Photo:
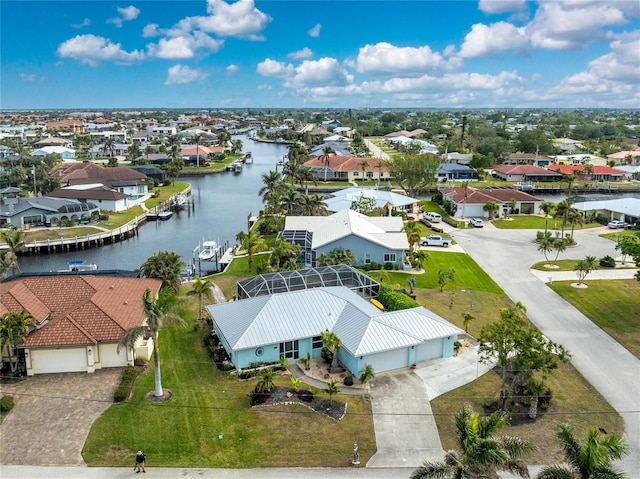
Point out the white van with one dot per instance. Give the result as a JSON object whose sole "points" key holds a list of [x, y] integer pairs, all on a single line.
{"points": [[433, 217]]}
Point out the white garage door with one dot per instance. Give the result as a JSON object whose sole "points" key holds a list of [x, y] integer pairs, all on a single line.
{"points": [[59, 360], [109, 358], [388, 360], [429, 350]]}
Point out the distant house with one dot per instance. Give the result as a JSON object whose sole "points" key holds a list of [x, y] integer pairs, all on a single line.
{"points": [[349, 168], [371, 239], [70, 124], [623, 209], [64, 152], [628, 157], [455, 172], [409, 134], [330, 124], [424, 146], [42, 210], [265, 328], [458, 158], [79, 320], [98, 194], [193, 156], [525, 173], [531, 159], [119, 178], [52, 141], [338, 149], [344, 199], [469, 202], [600, 173], [567, 145]]}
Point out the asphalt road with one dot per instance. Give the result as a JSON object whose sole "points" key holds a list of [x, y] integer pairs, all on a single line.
{"points": [[506, 256]]}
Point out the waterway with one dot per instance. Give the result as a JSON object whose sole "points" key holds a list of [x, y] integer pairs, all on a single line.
{"points": [[222, 204]]}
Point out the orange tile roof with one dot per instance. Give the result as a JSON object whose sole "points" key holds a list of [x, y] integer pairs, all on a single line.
{"points": [[484, 195], [79, 309], [348, 163]]}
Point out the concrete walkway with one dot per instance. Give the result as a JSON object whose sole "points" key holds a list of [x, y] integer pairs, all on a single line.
{"points": [[551, 275]]}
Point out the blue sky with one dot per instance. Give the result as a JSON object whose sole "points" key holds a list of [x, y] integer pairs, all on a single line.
{"points": [[320, 54]]}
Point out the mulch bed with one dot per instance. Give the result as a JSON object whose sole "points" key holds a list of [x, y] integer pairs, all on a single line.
{"points": [[281, 396]]}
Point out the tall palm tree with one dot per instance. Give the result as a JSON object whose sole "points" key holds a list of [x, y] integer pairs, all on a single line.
{"points": [[197, 139], [236, 147], [327, 151], [110, 146], [291, 200], [590, 460], [413, 233], [272, 182], [342, 255], [14, 240], [584, 267], [363, 164], [546, 207], [251, 242], [563, 210], [203, 290], [333, 343], [575, 218], [312, 205], [481, 453], [157, 316], [490, 207], [546, 247], [14, 327], [305, 175], [166, 266]]}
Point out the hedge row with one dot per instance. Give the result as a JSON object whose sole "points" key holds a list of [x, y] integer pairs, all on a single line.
{"points": [[128, 377]]}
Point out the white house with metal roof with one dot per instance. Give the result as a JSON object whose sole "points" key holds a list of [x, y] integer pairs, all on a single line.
{"points": [[343, 199], [264, 328], [626, 209], [378, 239]]}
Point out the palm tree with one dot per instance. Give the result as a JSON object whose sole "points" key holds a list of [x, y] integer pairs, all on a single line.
{"points": [[575, 218], [413, 233], [305, 175], [490, 207], [252, 243], [110, 146], [536, 388], [584, 267], [332, 342], [323, 259], [203, 290], [367, 373], [272, 182], [157, 316], [363, 164], [589, 460], [325, 157], [197, 139], [481, 454], [266, 382], [332, 389], [546, 247], [14, 240], [291, 200], [236, 147], [166, 266], [563, 209], [342, 255], [560, 245], [14, 327], [546, 207], [467, 318], [312, 205]]}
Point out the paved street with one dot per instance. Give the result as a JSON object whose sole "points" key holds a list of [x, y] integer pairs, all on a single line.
{"points": [[506, 256]]}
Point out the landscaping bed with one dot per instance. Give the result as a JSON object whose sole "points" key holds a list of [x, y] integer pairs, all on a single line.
{"points": [[281, 396]]}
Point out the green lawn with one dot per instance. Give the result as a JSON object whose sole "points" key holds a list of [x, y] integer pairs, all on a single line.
{"points": [[568, 265], [533, 222], [613, 305], [209, 422], [618, 235]]}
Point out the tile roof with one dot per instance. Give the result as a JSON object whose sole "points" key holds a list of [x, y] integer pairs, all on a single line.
{"points": [[73, 310], [524, 170], [484, 195], [597, 169], [87, 172], [348, 163]]}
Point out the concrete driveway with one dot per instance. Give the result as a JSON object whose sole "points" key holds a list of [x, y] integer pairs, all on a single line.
{"points": [[52, 416], [506, 256]]}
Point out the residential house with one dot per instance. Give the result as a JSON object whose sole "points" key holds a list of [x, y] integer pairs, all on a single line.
{"points": [[68, 125], [409, 134], [455, 172], [599, 173], [423, 146], [567, 145], [525, 173], [468, 201], [120, 178], [42, 210], [265, 328], [52, 141], [64, 152], [79, 320], [628, 157], [331, 124], [371, 239], [337, 148], [349, 168], [194, 156], [581, 159], [104, 197], [625, 209], [458, 158], [531, 159], [386, 200]]}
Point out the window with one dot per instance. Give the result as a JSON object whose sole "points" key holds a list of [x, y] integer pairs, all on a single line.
{"points": [[289, 349], [389, 257], [367, 258], [355, 173], [316, 342]]}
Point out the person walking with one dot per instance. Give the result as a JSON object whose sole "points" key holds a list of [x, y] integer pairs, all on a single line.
{"points": [[141, 457]]}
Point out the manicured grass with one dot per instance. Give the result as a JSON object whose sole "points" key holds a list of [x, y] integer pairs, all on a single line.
{"points": [[574, 401], [610, 304], [209, 422], [619, 234], [568, 265], [519, 222]]}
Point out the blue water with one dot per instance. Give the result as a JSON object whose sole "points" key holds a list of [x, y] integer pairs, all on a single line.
{"points": [[221, 206]]}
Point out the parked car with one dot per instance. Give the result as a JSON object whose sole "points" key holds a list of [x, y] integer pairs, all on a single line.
{"points": [[476, 222], [616, 224], [433, 217], [435, 240]]}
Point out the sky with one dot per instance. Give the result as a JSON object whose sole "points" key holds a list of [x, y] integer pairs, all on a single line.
{"points": [[217, 54]]}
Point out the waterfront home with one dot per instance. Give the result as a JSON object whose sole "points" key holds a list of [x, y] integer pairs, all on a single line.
{"points": [[598, 172], [525, 173], [120, 178], [264, 328], [378, 239], [104, 197], [625, 209], [79, 320], [42, 210], [455, 172], [64, 152], [385, 200], [468, 202], [530, 159], [349, 168]]}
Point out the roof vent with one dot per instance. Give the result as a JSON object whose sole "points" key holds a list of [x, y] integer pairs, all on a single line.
{"points": [[126, 302]]}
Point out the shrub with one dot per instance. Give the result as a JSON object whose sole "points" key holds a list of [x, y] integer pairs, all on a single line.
{"points": [[450, 221], [327, 355], [388, 266], [393, 301], [6, 403], [607, 262], [128, 377], [348, 380]]}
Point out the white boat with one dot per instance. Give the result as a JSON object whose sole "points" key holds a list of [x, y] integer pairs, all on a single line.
{"points": [[179, 200], [80, 265], [208, 251], [165, 215]]}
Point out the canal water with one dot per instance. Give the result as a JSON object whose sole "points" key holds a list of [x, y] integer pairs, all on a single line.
{"points": [[222, 204]]}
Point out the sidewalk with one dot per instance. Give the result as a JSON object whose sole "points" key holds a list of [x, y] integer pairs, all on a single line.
{"points": [[550, 275]]}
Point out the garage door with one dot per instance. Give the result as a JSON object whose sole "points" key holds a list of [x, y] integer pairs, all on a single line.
{"points": [[429, 350], [388, 360], [59, 360], [109, 357]]}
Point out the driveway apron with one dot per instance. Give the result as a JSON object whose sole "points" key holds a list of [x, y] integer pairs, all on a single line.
{"points": [[506, 256], [52, 416], [406, 432]]}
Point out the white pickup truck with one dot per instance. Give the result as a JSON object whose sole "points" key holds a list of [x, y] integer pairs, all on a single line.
{"points": [[435, 240]]}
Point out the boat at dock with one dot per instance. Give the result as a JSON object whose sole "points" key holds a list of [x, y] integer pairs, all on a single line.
{"points": [[180, 200], [79, 265], [165, 215], [208, 251]]}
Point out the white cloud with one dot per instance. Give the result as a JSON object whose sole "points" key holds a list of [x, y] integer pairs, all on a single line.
{"points": [[183, 46], [384, 58], [92, 49], [264, 86], [315, 31], [273, 68], [502, 6], [84, 23], [300, 54], [29, 77], [493, 39], [182, 74], [325, 71], [232, 69], [151, 30], [126, 14], [240, 19]]}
